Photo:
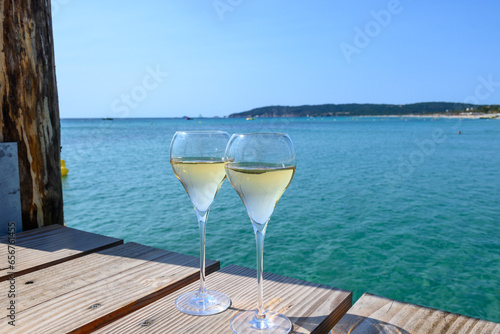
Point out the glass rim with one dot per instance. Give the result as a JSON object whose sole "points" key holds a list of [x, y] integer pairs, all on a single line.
{"points": [[201, 131], [261, 133]]}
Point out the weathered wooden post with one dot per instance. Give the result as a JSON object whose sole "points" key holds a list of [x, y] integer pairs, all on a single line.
{"points": [[29, 107]]}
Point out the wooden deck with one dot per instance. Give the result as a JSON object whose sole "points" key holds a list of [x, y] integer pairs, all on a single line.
{"points": [[70, 281], [374, 314]]}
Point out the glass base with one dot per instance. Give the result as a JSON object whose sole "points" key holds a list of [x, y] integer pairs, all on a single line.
{"points": [[194, 303], [273, 322]]}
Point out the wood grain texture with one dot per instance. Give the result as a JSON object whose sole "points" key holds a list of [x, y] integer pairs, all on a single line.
{"points": [[374, 314], [78, 295], [47, 246], [312, 308], [29, 108]]}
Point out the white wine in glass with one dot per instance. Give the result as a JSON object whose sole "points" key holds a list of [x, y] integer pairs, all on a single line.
{"points": [[197, 161], [260, 166]]}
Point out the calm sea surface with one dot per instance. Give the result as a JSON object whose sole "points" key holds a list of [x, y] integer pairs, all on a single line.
{"points": [[404, 208]]}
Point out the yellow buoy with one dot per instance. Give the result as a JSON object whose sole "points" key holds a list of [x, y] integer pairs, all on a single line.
{"points": [[64, 170]]}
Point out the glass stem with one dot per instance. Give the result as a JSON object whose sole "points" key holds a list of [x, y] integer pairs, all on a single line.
{"points": [[259, 238], [202, 221]]}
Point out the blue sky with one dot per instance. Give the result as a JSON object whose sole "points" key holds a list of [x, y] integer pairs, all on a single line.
{"points": [[216, 57]]}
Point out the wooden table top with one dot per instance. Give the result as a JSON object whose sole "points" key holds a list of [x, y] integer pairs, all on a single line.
{"points": [[312, 308], [70, 281]]}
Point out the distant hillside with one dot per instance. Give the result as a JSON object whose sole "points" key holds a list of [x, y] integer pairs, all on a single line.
{"points": [[354, 109]]}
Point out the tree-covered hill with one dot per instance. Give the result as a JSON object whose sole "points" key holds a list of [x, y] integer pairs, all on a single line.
{"points": [[355, 109]]}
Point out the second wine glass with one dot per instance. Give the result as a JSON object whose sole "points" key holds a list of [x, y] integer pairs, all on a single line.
{"points": [[260, 166], [197, 160]]}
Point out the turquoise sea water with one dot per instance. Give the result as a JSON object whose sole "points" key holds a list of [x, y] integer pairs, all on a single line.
{"points": [[404, 208]]}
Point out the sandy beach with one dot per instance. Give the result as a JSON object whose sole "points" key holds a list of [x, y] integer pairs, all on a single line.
{"points": [[460, 116]]}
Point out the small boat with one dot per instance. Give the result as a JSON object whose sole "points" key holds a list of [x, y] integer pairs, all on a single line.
{"points": [[107, 119], [250, 118], [64, 170], [189, 119]]}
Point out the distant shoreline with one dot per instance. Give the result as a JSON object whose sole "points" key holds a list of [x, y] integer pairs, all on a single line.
{"points": [[468, 116]]}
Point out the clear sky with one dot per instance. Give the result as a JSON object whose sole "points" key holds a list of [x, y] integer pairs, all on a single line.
{"points": [[170, 58]]}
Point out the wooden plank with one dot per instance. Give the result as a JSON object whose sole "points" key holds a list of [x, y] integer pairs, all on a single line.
{"points": [[30, 233], [375, 314], [312, 308], [78, 295], [47, 246], [38, 287]]}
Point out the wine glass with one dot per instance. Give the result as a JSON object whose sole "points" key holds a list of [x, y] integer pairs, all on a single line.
{"points": [[197, 160], [260, 166]]}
